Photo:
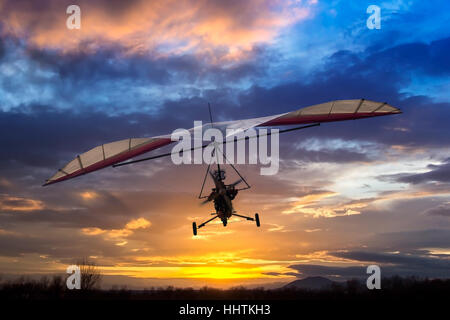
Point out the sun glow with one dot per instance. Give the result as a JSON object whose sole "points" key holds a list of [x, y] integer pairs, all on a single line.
{"points": [[195, 272]]}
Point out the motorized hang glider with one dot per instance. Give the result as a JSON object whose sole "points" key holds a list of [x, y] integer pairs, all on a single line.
{"points": [[115, 153]]}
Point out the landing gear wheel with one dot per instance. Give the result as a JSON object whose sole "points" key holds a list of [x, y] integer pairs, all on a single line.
{"points": [[194, 228], [258, 224], [224, 223]]}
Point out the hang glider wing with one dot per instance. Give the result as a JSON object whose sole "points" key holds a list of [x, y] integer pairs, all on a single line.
{"points": [[337, 110], [119, 151], [334, 111], [107, 155]]}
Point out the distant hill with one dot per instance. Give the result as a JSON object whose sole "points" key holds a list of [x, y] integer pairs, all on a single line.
{"points": [[310, 283]]}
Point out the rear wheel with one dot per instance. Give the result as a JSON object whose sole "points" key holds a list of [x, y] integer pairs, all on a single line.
{"points": [[194, 228], [258, 224]]}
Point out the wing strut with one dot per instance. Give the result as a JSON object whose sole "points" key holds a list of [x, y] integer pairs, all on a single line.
{"points": [[200, 196], [234, 168]]}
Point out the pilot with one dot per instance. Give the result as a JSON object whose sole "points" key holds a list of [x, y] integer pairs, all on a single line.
{"points": [[220, 175]]}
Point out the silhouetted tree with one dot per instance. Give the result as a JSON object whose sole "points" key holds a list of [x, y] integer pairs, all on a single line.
{"points": [[90, 274]]}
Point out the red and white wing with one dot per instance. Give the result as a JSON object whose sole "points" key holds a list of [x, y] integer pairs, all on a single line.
{"points": [[107, 155], [334, 111], [115, 152]]}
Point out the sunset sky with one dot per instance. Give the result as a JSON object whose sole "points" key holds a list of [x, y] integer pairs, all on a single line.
{"points": [[347, 195]]}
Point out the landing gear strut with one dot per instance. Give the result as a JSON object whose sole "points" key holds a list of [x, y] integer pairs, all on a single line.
{"points": [[195, 227], [256, 218], [225, 221]]}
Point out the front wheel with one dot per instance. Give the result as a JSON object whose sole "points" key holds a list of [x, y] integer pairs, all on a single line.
{"points": [[258, 224], [194, 228]]}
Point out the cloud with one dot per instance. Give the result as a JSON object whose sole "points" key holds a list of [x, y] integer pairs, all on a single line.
{"points": [[313, 230], [219, 31], [436, 173], [2, 49], [332, 272], [441, 210], [92, 231], [140, 223], [14, 204], [313, 205], [44, 135], [414, 239], [108, 79], [391, 264], [67, 209]]}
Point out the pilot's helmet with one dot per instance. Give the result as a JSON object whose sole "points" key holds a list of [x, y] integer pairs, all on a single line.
{"points": [[220, 174]]}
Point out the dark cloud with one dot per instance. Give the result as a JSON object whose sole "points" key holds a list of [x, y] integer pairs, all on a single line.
{"points": [[66, 247], [442, 210], [106, 211], [75, 218], [107, 63], [311, 270], [40, 137], [66, 208], [390, 264], [437, 173], [420, 58], [2, 49], [414, 239], [398, 65], [392, 258]]}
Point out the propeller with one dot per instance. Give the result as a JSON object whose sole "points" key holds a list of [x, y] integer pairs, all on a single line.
{"points": [[205, 201]]}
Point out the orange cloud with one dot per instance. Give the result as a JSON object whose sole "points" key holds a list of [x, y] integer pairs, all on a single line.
{"points": [[88, 195], [140, 223], [119, 234], [322, 257], [218, 30], [4, 232], [8, 203], [302, 202], [92, 231], [310, 205]]}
